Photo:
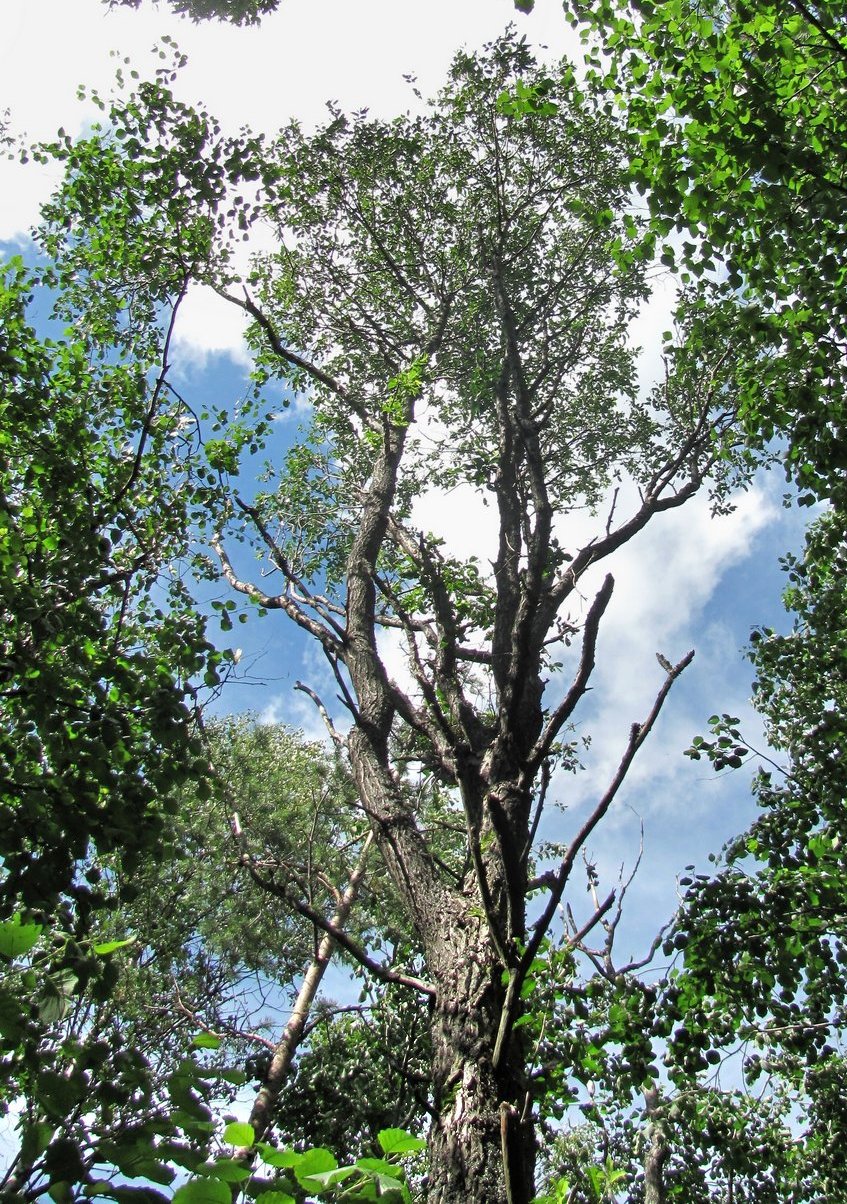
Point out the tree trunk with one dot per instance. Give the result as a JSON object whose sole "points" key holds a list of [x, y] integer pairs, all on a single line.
{"points": [[482, 1146], [657, 1151]]}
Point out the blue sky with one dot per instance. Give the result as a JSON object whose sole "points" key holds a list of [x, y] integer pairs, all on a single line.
{"points": [[687, 582]]}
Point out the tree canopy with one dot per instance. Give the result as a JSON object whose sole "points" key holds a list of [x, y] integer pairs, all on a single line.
{"points": [[449, 300]]}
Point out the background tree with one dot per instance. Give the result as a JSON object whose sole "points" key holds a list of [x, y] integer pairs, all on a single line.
{"points": [[197, 963], [364, 1069]]}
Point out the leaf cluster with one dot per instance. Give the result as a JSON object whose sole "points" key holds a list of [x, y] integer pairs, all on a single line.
{"points": [[737, 117]]}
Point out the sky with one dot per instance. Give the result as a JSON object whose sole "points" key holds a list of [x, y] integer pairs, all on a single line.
{"points": [[689, 581]]}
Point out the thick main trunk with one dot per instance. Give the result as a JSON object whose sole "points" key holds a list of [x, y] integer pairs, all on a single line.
{"points": [[482, 1145]]}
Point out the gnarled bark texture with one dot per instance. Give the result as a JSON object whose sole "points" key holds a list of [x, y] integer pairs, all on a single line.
{"points": [[657, 1152], [483, 1137]]}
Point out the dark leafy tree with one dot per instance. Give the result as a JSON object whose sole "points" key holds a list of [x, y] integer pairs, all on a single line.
{"points": [[100, 653], [364, 1069], [95, 674]]}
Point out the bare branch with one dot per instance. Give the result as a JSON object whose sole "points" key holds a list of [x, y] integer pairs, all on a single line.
{"points": [[580, 683], [285, 353], [336, 738], [275, 602], [578, 937], [539, 808], [316, 602], [383, 973], [153, 408], [284, 1050]]}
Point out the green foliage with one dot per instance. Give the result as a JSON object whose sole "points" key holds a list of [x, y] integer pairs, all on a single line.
{"points": [[739, 125], [151, 200], [115, 1070], [317, 1172], [493, 353], [238, 12], [100, 653], [286, 1176], [718, 1143], [94, 669], [784, 959]]}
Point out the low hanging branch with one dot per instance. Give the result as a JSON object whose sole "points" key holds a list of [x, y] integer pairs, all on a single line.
{"points": [[339, 936]]}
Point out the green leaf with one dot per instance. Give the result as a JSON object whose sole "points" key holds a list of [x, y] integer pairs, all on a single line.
{"points": [[231, 1075], [378, 1166], [330, 1178], [53, 1000], [111, 946], [203, 1191], [17, 938], [280, 1159], [206, 1041], [226, 1169], [398, 1141], [314, 1162], [158, 1172], [239, 1133]]}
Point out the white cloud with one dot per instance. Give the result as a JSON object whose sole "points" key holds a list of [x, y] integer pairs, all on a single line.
{"points": [[671, 595], [666, 578], [207, 324], [646, 329], [461, 518]]}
